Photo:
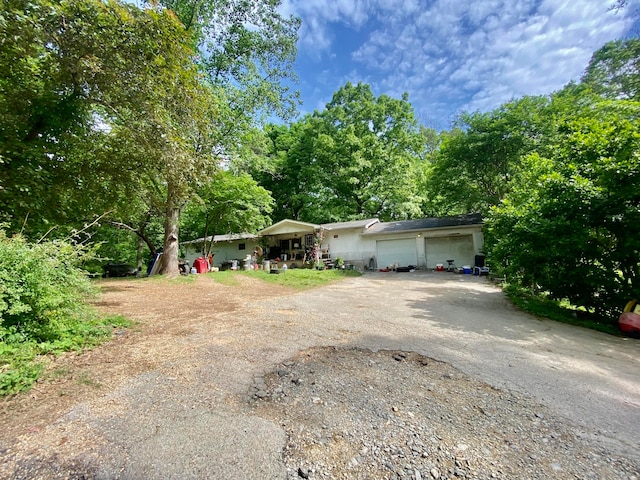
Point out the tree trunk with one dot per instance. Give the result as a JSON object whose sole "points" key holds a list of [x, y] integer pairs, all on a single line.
{"points": [[169, 259], [139, 255]]}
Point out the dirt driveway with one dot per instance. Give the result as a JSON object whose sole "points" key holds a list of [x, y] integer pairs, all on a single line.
{"points": [[427, 374]]}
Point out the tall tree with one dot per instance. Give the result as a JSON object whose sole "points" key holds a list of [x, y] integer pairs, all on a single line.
{"points": [[366, 154], [227, 203], [101, 101], [614, 70], [91, 93], [478, 160], [246, 48], [293, 178], [571, 224]]}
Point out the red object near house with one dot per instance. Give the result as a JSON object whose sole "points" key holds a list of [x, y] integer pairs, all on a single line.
{"points": [[201, 265], [629, 323]]}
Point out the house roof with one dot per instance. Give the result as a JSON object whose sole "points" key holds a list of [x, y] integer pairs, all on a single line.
{"points": [[371, 226], [229, 237], [426, 224], [367, 223], [289, 226]]}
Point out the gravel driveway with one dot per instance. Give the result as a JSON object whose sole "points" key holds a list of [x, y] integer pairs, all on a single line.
{"points": [[428, 375]]}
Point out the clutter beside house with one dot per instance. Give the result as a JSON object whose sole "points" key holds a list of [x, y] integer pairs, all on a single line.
{"points": [[369, 244]]}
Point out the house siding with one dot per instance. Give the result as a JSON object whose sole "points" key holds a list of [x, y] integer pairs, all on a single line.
{"points": [[222, 251]]}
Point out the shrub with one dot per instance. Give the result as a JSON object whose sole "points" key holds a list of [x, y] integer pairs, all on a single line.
{"points": [[42, 307], [40, 284]]}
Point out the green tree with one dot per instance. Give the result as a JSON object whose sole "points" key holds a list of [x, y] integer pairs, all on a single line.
{"points": [[571, 225], [248, 50], [478, 159], [116, 114], [103, 109], [614, 70], [227, 203], [366, 154], [293, 177]]}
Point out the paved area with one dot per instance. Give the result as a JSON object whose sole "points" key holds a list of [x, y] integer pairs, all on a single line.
{"points": [[188, 419], [591, 378]]}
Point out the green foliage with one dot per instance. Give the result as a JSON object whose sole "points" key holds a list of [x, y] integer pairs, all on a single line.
{"points": [[367, 150], [293, 176], [560, 311], [614, 70], [247, 49], [358, 158], [69, 73], [42, 307], [479, 159], [227, 203], [571, 227], [40, 284]]}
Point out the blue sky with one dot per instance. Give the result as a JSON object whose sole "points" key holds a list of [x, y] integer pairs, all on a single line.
{"points": [[450, 55]]}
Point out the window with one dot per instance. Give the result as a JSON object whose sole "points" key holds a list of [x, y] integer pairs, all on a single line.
{"points": [[308, 240], [242, 246]]}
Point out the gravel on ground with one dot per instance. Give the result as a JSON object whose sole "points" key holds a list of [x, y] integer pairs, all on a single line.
{"points": [[394, 376]]}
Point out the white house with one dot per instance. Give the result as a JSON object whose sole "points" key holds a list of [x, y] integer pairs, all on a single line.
{"points": [[345, 240], [226, 248], [367, 244]]}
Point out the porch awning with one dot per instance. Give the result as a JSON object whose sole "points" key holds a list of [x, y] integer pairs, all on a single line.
{"points": [[285, 227]]}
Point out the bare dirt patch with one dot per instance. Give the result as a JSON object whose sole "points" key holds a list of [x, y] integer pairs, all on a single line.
{"points": [[162, 311]]}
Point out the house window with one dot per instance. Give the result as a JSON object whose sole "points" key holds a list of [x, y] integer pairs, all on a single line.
{"points": [[284, 245], [335, 236], [308, 240], [242, 246]]}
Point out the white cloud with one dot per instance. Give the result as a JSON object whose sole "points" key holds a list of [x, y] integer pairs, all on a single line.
{"points": [[452, 55]]}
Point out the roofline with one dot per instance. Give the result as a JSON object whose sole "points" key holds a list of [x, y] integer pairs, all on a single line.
{"points": [[240, 236], [372, 221], [287, 220], [423, 229]]}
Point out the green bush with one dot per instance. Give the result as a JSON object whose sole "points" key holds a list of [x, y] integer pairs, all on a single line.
{"points": [[42, 307], [40, 285]]}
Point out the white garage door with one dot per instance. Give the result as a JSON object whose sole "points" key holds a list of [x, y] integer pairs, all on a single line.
{"points": [[458, 248], [403, 252]]}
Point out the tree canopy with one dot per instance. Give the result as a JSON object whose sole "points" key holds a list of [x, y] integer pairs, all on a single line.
{"points": [[358, 158], [614, 70], [571, 226], [106, 107]]}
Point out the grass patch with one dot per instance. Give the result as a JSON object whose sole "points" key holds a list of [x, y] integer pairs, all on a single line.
{"points": [[21, 355], [560, 311], [226, 277], [299, 278]]}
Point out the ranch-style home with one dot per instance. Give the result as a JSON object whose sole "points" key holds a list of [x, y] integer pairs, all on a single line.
{"points": [[365, 244]]}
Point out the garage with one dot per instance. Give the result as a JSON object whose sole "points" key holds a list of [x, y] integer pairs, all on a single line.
{"points": [[402, 252], [457, 248]]}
